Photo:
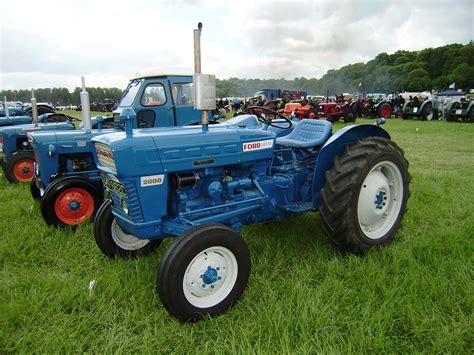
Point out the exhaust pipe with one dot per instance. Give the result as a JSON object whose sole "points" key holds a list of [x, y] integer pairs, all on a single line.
{"points": [[86, 107], [204, 84], [34, 108], [7, 111]]}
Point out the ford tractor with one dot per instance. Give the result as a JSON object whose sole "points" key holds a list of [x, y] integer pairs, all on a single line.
{"points": [[67, 180], [202, 184], [334, 111], [21, 114], [17, 154]]}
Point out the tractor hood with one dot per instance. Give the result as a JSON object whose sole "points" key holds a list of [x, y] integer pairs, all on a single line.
{"points": [[27, 128], [153, 151], [14, 120], [65, 137]]}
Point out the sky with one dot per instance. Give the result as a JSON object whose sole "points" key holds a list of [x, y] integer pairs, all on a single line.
{"points": [[52, 43]]}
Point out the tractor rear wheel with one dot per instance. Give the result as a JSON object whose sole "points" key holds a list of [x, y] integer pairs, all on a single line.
{"points": [[311, 114], [70, 200], [471, 115], [332, 119], [204, 272], [427, 113], [365, 196], [113, 241], [20, 167], [34, 189], [385, 110]]}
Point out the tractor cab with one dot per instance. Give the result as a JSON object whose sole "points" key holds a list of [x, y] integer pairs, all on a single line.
{"points": [[160, 100]]}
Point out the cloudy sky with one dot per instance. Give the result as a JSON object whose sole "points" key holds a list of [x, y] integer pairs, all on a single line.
{"points": [[51, 43]]}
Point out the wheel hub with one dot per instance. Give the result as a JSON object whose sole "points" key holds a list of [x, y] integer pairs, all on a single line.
{"points": [[380, 199], [210, 277], [74, 205], [124, 240]]}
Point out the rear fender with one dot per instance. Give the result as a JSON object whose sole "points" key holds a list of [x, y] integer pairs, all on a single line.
{"points": [[335, 146]]}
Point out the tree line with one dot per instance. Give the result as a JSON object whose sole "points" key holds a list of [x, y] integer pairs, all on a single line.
{"points": [[428, 69], [62, 96]]}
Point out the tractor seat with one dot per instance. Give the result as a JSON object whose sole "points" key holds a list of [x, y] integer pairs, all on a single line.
{"points": [[307, 133]]}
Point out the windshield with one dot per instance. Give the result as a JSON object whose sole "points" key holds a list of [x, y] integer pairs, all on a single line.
{"points": [[130, 93]]}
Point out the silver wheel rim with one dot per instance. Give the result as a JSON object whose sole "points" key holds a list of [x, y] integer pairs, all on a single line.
{"points": [[210, 277], [124, 240], [380, 199], [430, 116]]}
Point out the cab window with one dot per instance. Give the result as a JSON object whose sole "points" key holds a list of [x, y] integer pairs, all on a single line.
{"points": [[182, 94], [154, 95]]}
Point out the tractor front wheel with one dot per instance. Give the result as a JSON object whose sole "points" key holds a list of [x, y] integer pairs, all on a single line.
{"points": [[70, 201], [20, 167], [113, 241], [204, 272], [34, 189], [365, 196]]}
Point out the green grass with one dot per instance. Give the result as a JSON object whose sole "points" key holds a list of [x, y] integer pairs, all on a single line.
{"points": [[415, 295]]}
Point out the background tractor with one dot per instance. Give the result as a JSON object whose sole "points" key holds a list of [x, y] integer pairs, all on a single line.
{"points": [[334, 111], [67, 180], [202, 184], [460, 111], [418, 109]]}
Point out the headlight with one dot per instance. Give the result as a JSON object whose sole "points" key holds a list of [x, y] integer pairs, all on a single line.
{"points": [[124, 205], [105, 156]]}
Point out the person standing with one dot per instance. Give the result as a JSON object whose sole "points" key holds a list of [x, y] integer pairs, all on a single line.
{"points": [[435, 104]]}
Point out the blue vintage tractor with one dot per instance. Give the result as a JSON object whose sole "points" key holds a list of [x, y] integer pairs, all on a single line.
{"points": [[67, 180], [21, 114], [18, 156], [203, 184]]}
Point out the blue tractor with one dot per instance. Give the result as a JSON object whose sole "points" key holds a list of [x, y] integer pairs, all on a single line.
{"points": [[10, 116], [203, 184], [67, 180]]}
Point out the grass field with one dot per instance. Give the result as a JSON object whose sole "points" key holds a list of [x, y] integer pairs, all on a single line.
{"points": [[415, 295]]}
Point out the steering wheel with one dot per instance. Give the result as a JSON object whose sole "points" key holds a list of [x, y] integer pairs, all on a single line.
{"points": [[266, 116]]}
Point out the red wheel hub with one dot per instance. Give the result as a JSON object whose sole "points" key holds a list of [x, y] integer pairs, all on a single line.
{"points": [[24, 170], [386, 112], [74, 206], [312, 115]]}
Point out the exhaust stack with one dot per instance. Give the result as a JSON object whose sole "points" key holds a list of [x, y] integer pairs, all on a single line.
{"points": [[86, 107], [34, 108], [204, 84], [7, 111]]}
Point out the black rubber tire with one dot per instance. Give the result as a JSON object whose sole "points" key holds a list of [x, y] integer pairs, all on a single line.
{"points": [[471, 115], [427, 110], [339, 197], [11, 161], [177, 259], [349, 117], [311, 112], [103, 236], [332, 119], [53, 190], [34, 189]]}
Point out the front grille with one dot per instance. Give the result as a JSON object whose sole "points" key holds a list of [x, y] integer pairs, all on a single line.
{"points": [[123, 191], [114, 186], [105, 156]]}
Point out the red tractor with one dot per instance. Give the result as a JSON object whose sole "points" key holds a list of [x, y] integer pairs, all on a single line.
{"points": [[334, 111], [301, 111]]}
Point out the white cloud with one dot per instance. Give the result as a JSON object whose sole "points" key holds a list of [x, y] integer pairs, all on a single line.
{"points": [[52, 43]]}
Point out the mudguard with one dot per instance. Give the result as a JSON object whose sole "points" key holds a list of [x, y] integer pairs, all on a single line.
{"points": [[336, 146]]}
